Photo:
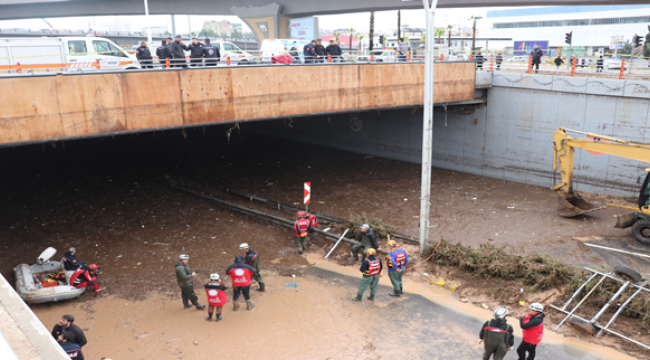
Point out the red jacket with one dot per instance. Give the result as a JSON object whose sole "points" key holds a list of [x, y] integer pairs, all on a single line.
{"points": [[240, 276], [313, 220], [81, 276], [301, 227], [532, 327], [216, 294]]}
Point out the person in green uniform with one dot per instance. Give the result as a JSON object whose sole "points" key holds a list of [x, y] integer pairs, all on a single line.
{"points": [[184, 278], [396, 261], [252, 258], [498, 336], [367, 240], [371, 270]]}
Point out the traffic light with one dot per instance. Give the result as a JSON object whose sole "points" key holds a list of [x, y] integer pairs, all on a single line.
{"points": [[381, 40], [637, 40], [567, 38]]}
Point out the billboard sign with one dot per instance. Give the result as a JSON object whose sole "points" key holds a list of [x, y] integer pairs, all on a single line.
{"points": [[303, 29], [525, 47]]}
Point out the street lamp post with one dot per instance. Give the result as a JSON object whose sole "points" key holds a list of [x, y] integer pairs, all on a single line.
{"points": [[427, 125], [146, 12]]}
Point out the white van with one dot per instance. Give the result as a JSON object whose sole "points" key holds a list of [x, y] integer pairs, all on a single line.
{"points": [[275, 47], [68, 54], [237, 56]]}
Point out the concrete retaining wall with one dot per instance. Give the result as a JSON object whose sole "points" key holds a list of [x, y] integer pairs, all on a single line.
{"points": [[510, 138]]}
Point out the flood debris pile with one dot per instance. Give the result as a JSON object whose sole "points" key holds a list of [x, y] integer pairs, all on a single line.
{"points": [[382, 229], [488, 261]]}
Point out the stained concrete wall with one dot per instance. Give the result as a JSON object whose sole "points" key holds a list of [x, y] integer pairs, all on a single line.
{"points": [[510, 138]]}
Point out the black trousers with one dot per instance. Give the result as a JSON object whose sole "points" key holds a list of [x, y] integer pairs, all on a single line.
{"points": [[523, 347], [146, 63], [211, 62], [196, 61], [241, 289]]}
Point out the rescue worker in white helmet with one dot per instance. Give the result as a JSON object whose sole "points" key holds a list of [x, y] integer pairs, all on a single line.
{"points": [[367, 240], [532, 326], [252, 258], [217, 298], [185, 278], [498, 336]]}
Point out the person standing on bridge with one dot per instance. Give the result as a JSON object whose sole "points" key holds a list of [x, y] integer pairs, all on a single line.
{"points": [[161, 53], [143, 55], [301, 230], [178, 54], [402, 49], [334, 50], [196, 53], [499, 60], [498, 336], [367, 240], [185, 280], [240, 277], [371, 270], [253, 259], [599, 64], [211, 53], [320, 51], [309, 51], [558, 62], [532, 325], [396, 261], [537, 54]]}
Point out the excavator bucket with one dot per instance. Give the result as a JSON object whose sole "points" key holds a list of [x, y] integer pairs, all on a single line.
{"points": [[626, 221], [573, 205]]}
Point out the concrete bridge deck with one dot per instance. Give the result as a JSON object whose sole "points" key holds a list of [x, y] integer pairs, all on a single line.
{"points": [[40, 108]]}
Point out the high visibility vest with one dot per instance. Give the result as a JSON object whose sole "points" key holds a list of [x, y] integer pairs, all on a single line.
{"points": [[400, 259], [374, 267], [301, 227], [216, 297], [533, 335]]}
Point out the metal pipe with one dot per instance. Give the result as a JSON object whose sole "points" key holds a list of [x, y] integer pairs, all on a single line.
{"points": [[616, 279], [337, 243], [581, 301], [577, 292], [608, 330], [427, 125], [617, 250], [620, 309], [612, 299]]}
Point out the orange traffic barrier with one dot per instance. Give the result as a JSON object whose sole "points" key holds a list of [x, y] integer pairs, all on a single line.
{"points": [[573, 66], [471, 56], [329, 58], [622, 69], [409, 56], [97, 64], [19, 69], [530, 65], [491, 63], [372, 57], [168, 63], [228, 61], [442, 57]]}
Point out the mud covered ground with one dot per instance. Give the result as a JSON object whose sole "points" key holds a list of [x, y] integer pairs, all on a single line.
{"points": [[99, 196]]}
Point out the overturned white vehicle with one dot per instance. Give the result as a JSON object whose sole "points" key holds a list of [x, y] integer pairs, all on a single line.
{"points": [[35, 285]]}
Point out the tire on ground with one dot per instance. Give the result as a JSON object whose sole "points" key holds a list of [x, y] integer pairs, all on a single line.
{"points": [[628, 272], [637, 231]]}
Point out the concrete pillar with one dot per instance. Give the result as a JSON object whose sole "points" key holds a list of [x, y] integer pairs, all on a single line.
{"points": [[266, 21]]}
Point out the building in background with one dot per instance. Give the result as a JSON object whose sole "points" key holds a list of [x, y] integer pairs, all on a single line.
{"points": [[593, 27]]}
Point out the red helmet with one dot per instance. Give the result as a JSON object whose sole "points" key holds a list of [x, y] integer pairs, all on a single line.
{"points": [[94, 268], [301, 214]]}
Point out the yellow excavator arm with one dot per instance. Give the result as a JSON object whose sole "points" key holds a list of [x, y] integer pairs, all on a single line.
{"points": [[570, 203]]}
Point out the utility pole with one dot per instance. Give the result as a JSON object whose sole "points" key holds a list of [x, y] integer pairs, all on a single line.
{"points": [[146, 13], [173, 26], [427, 125]]}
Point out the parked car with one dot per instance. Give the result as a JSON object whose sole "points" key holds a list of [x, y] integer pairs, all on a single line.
{"points": [[378, 56], [237, 56], [615, 63], [34, 286]]}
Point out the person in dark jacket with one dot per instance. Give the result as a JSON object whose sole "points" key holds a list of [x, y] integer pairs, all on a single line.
{"points": [[320, 51], [371, 270], [196, 52], [70, 260], [294, 54], [143, 54], [161, 53], [498, 336], [558, 62], [253, 259], [309, 52], [499, 60], [367, 240], [240, 277], [599, 64], [66, 325], [211, 53], [177, 51], [67, 342], [537, 54], [334, 50], [479, 61], [532, 326], [184, 278]]}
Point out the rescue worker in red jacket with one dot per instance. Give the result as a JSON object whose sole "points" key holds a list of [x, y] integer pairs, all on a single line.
{"points": [[217, 298], [86, 275], [240, 277], [313, 222], [532, 325], [371, 270], [301, 231]]}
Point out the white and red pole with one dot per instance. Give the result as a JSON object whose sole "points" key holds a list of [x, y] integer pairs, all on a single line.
{"points": [[307, 195]]}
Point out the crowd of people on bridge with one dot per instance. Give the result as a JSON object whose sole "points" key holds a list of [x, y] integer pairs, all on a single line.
{"points": [[173, 50]]}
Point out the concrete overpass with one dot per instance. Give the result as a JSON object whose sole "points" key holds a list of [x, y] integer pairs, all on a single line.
{"points": [[44, 108], [266, 19]]}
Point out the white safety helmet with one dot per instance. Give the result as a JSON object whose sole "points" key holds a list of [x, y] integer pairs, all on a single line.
{"points": [[184, 257], [501, 313], [72, 250], [214, 277], [536, 307], [365, 226], [243, 246]]}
